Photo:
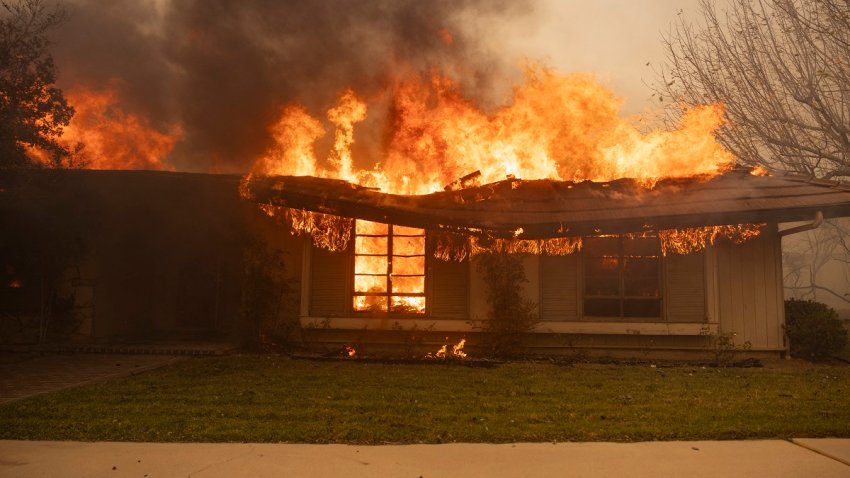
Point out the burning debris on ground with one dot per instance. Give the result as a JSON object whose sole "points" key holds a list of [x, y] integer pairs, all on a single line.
{"points": [[456, 352]]}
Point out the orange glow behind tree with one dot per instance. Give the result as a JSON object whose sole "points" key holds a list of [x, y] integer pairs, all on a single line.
{"points": [[103, 135]]}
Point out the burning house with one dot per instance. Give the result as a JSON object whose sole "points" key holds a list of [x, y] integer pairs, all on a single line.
{"points": [[611, 265], [631, 242]]}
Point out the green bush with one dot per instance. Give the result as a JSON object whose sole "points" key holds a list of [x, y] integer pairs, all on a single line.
{"points": [[511, 314], [813, 329]]}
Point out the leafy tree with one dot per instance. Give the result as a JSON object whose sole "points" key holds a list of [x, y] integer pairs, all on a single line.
{"points": [[33, 112], [782, 69]]}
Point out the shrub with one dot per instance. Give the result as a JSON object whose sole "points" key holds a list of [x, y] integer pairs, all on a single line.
{"points": [[511, 314], [268, 298], [813, 329]]}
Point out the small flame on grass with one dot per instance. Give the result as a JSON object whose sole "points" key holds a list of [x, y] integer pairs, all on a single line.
{"points": [[456, 352]]}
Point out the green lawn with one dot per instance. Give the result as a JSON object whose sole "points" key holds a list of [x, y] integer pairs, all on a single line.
{"points": [[276, 399]]}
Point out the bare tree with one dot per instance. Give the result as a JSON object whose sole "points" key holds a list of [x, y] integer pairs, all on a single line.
{"points": [[817, 264], [781, 68], [33, 111]]}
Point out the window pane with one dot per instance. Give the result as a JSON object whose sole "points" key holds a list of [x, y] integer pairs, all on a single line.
{"points": [[641, 276], [637, 286], [642, 308], [373, 242], [601, 285], [370, 283], [602, 266], [602, 276], [408, 231], [367, 227], [370, 245], [408, 245], [370, 264], [601, 246], [370, 303], [408, 304], [602, 307], [641, 246], [642, 266], [409, 265], [414, 284]]}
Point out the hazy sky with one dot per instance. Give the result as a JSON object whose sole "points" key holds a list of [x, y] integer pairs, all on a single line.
{"points": [[613, 39]]}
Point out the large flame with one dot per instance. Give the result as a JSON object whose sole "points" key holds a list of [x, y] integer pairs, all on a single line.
{"points": [[103, 135], [389, 268], [563, 127]]}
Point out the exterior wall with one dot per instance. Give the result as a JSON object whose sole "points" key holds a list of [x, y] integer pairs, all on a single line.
{"points": [[749, 299], [448, 289], [727, 288], [163, 253], [684, 297], [326, 296], [479, 309], [560, 288]]}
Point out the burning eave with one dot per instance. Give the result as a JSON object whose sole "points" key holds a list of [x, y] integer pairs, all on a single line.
{"points": [[543, 209]]}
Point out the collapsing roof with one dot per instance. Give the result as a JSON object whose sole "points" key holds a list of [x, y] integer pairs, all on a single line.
{"points": [[541, 209]]}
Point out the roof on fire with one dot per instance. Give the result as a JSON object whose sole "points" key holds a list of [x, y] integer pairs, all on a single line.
{"points": [[547, 208]]}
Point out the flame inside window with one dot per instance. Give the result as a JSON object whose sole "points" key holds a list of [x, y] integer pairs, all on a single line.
{"points": [[389, 268]]}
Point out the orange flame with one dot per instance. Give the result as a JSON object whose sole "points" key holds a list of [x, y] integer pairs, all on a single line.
{"points": [[759, 171], [456, 352], [563, 127], [687, 241], [389, 268], [105, 136]]}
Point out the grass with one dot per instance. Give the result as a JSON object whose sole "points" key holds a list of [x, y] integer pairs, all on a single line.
{"points": [[276, 399]]}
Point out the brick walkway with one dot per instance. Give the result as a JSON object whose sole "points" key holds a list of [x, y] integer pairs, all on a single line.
{"points": [[26, 374]]}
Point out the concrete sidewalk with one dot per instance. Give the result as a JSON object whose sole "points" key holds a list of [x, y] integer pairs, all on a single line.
{"points": [[823, 458]]}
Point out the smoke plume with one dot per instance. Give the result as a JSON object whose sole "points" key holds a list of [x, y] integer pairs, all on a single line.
{"points": [[221, 70]]}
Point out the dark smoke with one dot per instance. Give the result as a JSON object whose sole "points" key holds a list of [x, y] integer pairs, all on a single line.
{"points": [[224, 68]]}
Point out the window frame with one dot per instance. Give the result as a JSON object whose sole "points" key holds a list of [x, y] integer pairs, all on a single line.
{"points": [[621, 297], [388, 293]]}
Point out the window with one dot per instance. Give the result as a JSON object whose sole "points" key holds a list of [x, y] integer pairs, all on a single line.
{"points": [[622, 277], [389, 268]]}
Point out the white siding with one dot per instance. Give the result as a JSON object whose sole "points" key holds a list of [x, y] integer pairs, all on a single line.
{"points": [[448, 282], [684, 294], [478, 306], [749, 291], [329, 277], [559, 288]]}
